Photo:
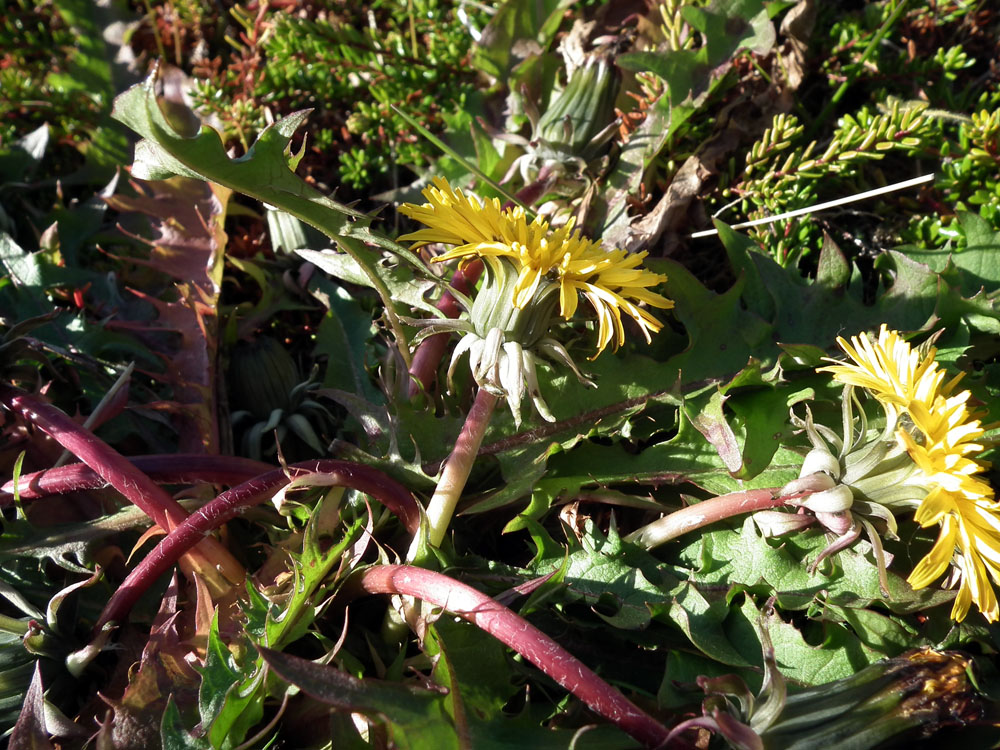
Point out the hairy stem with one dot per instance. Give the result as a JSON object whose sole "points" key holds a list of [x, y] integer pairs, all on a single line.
{"points": [[517, 633], [709, 511], [211, 560], [179, 468], [253, 492], [456, 470]]}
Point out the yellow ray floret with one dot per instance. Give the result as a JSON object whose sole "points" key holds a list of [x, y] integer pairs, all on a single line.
{"points": [[889, 369], [968, 541], [612, 281]]}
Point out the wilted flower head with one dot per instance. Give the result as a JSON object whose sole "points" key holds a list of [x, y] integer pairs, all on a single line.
{"points": [[531, 269], [940, 437]]}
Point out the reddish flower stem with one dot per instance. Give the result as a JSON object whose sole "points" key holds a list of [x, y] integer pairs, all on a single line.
{"points": [[456, 470], [193, 468], [211, 559], [237, 499], [707, 512], [430, 352], [520, 635]]}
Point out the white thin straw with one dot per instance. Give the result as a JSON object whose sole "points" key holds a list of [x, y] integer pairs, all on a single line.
{"points": [[822, 206]]}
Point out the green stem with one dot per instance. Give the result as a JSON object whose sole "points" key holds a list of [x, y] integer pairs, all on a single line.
{"points": [[456, 471], [706, 512]]}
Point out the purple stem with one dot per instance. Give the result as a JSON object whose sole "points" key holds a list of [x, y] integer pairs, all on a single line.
{"points": [[181, 468], [233, 501], [105, 461], [708, 512], [117, 471], [520, 635]]}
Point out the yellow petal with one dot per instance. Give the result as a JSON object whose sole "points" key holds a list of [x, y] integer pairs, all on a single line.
{"points": [[937, 560]]}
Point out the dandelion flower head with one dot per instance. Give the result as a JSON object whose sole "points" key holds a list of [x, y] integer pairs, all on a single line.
{"points": [[612, 281], [943, 442]]}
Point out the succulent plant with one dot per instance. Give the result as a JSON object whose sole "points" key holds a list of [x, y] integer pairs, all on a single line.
{"points": [[270, 397]]}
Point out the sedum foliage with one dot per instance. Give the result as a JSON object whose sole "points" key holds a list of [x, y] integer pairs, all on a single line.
{"points": [[351, 65]]}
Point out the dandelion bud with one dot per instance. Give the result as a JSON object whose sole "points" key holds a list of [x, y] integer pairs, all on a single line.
{"points": [[816, 482], [835, 500], [775, 523], [925, 689], [820, 459], [582, 111]]}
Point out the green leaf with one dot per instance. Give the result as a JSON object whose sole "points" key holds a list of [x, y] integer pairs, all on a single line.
{"points": [[516, 24], [702, 619], [399, 279], [732, 25], [722, 335], [174, 735], [687, 457], [415, 717], [839, 654], [474, 668], [677, 68], [833, 270], [728, 556], [762, 420], [344, 338], [263, 172], [229, 697], [706, 416], [627, 386], [741, 249], [978, 262], [803, 313], [623, 581], [887, 634]]}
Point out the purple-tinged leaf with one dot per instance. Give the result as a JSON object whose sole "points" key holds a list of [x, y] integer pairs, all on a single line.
{"points": [[29, 731]]}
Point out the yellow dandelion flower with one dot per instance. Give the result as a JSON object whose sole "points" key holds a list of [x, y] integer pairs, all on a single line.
{"points": [[611, 281], [947, 424], [961, 502], [888, 368], [950, 472], [942, 438], [963, 505]]}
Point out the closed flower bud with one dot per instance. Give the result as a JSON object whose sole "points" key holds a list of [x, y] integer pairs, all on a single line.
{"points": [[775, 523], [835, 500]]}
